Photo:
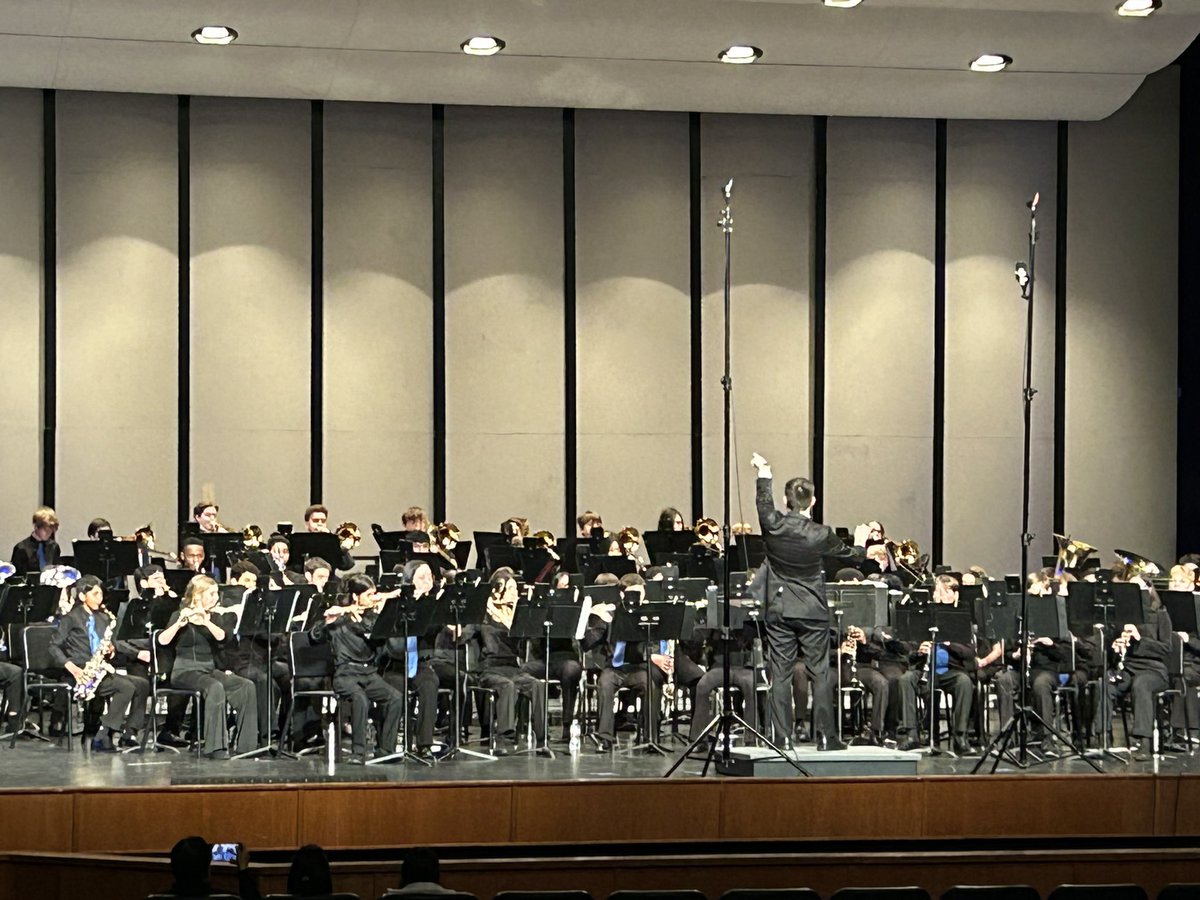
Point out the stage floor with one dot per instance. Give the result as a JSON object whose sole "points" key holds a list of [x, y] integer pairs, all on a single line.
{"points": [[41, 766]]}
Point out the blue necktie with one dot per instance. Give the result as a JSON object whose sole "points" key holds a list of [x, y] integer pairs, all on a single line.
{"points": [[941, 661], [41, 554], [619, 655], [93, 638], [662, 647], [412, 657]]}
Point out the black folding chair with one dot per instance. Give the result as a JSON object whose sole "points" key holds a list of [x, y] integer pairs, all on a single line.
{"points": [[42, 676], [309, 660]]}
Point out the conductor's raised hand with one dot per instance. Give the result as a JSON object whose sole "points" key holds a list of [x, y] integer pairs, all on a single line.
{"points": [[758, 462]]}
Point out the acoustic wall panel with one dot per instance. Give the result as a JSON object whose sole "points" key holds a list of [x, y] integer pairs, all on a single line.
{"points": [[504, 317], [879, 319], [771, 162], [117, 312], [1122, 319], [992, 171], [378, 371], [634, 314], [21, 301], [251, 322]]}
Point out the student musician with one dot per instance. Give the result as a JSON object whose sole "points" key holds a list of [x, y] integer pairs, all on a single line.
{"points": [[83, 644], [413, 662], [624, 666], [671, 519], [280, 551], [355, 676], [191, 555], [499, 666], [564, 664], [204, 514], [197, 631], [39, 550], [316, 521]]}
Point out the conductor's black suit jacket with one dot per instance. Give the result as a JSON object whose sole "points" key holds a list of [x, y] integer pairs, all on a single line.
{"points": [[796, 546]]}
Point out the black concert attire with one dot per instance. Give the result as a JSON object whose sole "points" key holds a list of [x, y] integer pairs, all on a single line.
{"points": [[874, 683], [248, 657], [196, 669], [1002, 679], [624, 667], [1144, 674], [500, 671], [742, 675], [31, 556], [77, 637], [564, 666], [952, 662], [415, 665], [892, 660], [1046, 664], [797, 616], [356, 678], [1191, 679]]}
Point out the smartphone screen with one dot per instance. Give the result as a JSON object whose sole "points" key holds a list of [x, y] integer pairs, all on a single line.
{"points": [[225, 853]]}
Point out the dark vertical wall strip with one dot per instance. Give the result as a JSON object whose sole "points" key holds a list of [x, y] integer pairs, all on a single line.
{"points": [[697, 288], [1187, 526], [439, 313], [317, 370], [1060, 333], [184, 239], [49, 295], [939, 343], [820, 199], [570, 395]]}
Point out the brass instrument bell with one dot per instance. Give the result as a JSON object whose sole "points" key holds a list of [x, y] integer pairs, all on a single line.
{"points": [[1138, 564], [348, 531], [252, 537], [1071, 553]]}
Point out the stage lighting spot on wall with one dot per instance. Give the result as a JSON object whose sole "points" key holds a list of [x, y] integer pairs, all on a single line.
{"points": [[991, 62], [482, 45], [739, 54], [1138, 8], [842, 4], [214, 34]]}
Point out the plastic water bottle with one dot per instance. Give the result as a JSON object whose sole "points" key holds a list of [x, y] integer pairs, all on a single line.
{"points": [[331, 739], [575, 735]]}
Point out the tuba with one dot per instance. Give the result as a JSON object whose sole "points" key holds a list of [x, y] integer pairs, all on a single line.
{"points": [[1138, 564], [1071, 554]]}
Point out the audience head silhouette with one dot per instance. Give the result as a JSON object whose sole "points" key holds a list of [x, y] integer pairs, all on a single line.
{"points": [[190, 859], [420, 866], [309, 875]]}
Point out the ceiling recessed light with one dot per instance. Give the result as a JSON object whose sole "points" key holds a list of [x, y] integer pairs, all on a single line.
{"points": [[991, 62], [739, 54], [843, 4], [482, 45], [1138, 8], [214, 34]]}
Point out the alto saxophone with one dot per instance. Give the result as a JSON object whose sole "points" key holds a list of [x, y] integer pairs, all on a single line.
{"points": [[98, 666]]}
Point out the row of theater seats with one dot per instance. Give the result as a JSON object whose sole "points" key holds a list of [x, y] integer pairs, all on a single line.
{"points": [[964, 892]]}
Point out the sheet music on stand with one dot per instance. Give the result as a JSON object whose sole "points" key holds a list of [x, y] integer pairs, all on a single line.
{"points": [[563, 608], [21, 605], [1108, 604], [1048, 617], [863, 604], [1000, 612], [953, 623], [267, 614]]}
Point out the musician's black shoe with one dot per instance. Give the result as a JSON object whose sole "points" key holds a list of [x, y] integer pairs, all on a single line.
{"points": [[171, 740], [962, 747], [830, 742], [356, 759], [104, 742], [605, 744], [426, 753], [801, 735], [129, 739], [1141, 750], [217, 754], [868, 738], [909, 744]]}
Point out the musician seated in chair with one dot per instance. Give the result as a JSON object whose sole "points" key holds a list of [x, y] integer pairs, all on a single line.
{"points": [[83, 644], [951, 663], [280, 552]]}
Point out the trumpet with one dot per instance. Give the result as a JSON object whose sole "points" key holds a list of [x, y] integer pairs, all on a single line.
{"points": [[348, 533]]}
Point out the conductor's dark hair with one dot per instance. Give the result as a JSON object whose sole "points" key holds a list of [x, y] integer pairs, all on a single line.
{"points": [[98, 525], [358, 584], [798, 493], [420, 864], [190, 859], [200, 507], [241, 567], [309, 875]]}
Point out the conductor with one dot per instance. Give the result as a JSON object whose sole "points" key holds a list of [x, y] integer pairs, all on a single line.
{"points": [[797, 616]]}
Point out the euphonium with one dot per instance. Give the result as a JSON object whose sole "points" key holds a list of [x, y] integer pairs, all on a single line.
{"points": [[348, 533], [442, 539], [98, 666], [708, 533], [1138, 564], [1071, 553]]}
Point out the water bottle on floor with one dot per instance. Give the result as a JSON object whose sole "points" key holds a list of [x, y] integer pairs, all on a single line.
{"points": [[575, 733]]}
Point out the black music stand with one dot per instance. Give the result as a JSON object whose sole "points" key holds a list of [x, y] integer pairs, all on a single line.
{"points": [[106, 558], [648, 624], [661, 543], [915, 621], [614, 565], [1102, 607], [403, 616], [260, 611], [456, 604], [549, 613], [390, 540], [140, 618], [862, 603], [306, 544]]}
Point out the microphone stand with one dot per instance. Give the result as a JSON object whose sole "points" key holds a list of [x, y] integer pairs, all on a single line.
{"points": [[720, 729], [1018, 726]]}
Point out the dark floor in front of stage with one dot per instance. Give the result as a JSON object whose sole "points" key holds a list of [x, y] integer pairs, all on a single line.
{"points": [[34, 764]]}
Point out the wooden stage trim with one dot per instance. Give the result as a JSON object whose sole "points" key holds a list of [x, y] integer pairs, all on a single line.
{"points": [[278, 817]]}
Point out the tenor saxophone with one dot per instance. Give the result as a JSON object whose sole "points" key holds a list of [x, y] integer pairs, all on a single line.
{"points": [[98, 666]]}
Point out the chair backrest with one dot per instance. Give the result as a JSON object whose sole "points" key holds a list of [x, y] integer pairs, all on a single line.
{"points": [[772, 894], [1180, 892], [394, 893], [162, 659], [309, 660], [884, 893], [337, 895], [543, 895], [35, 643], [1097, 892], [992, 892], [657, 895], [1175, 657]]}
